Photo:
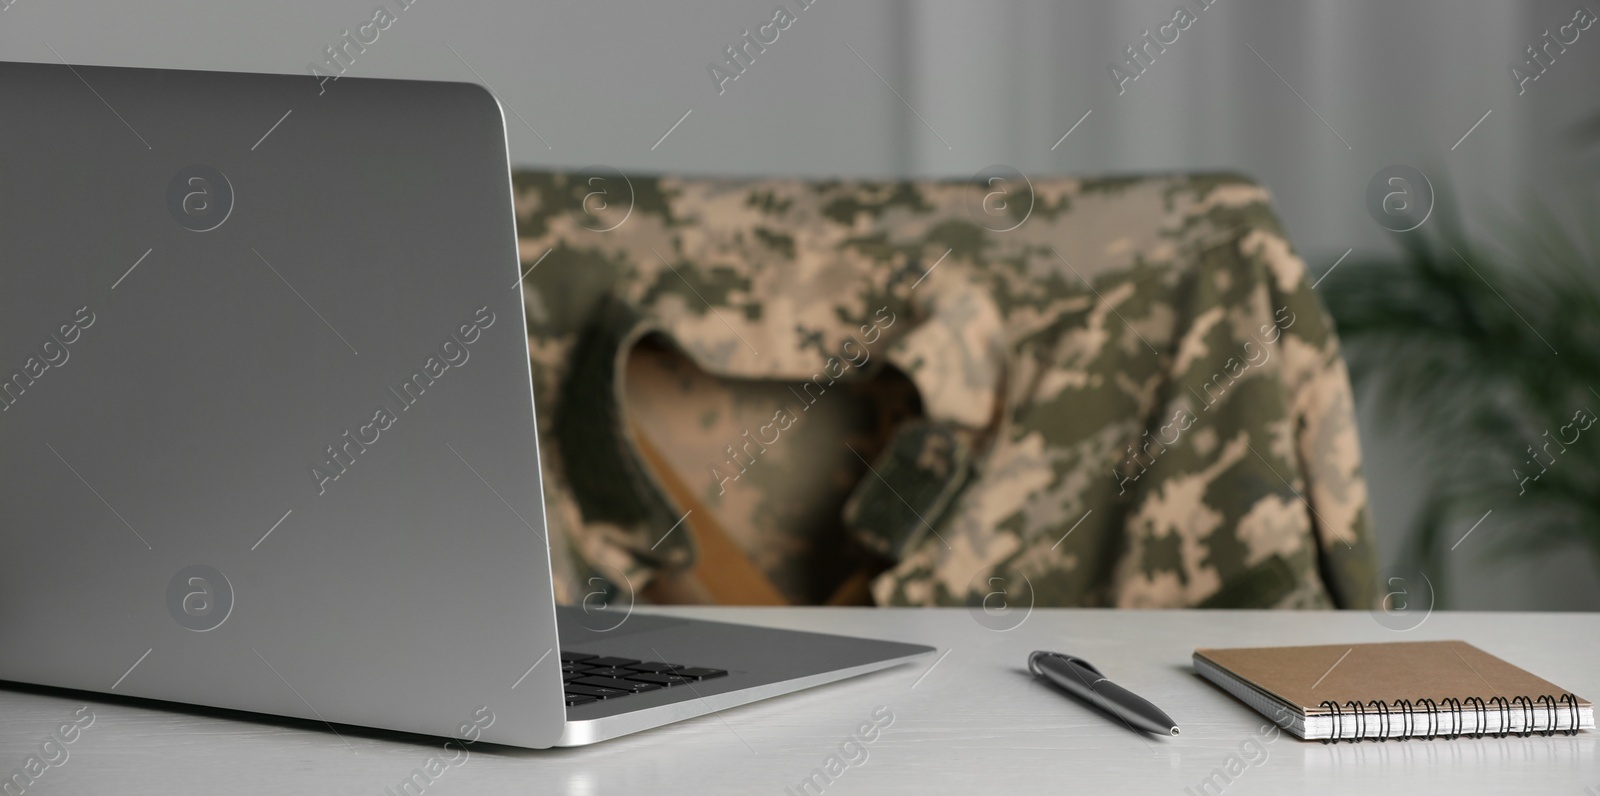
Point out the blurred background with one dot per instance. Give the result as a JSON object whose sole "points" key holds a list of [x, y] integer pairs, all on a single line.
{"points": [[1312, 97]]}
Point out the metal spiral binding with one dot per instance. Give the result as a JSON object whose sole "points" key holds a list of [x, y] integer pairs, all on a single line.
{"points": [[1481, 713], [1526, 705], [1505, 715], [1406, 714], [1571, 701], [1432, 716]]}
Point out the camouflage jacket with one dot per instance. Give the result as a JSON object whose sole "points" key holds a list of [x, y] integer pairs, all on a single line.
{"points": [[1123, 392]]}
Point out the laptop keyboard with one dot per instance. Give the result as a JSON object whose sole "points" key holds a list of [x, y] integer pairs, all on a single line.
{"points": [[590, 678]]}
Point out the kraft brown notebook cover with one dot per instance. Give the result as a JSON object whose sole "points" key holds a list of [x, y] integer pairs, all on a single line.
{"points": [[1423, 689]]}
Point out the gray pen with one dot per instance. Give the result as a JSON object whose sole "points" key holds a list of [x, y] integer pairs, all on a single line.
{"points": [[1079, 678]]}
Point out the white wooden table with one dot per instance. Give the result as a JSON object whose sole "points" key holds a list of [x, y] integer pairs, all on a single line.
{"points": [[971, 722]]}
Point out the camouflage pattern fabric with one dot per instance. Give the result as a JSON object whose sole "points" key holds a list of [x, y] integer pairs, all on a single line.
{"points": [[1126, 392]]}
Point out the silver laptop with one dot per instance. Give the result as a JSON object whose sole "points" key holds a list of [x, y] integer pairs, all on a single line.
{"points": [[267, 435]]}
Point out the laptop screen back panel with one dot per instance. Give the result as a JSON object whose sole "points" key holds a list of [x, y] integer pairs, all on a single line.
{"points": [[267, 438]]}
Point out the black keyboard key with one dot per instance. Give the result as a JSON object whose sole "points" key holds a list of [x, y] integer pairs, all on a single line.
{"points": [[620, 685], [567, 678], [576, 699], [653, 667], [660, 679], [608, 671], [569, 657], [608, 661], [598, 693], [699, 673], [605, 682]]}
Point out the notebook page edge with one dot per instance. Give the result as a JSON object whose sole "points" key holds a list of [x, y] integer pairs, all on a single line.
{"points": [[1259, 700]]}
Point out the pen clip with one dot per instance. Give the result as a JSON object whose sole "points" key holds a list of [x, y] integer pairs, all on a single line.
{"points": [[1033, 662]]}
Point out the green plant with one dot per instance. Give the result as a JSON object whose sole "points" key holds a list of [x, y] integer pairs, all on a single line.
{"points": [[1489, 356]]}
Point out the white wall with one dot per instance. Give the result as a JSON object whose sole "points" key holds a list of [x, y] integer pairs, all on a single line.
{"points": [[992, 82]]}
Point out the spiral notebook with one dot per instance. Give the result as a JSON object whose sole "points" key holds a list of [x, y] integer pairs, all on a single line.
{"points": [[1420, 689]]}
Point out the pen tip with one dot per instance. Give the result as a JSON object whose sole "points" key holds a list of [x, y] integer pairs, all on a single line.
{"points": [[1174, 730]]}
